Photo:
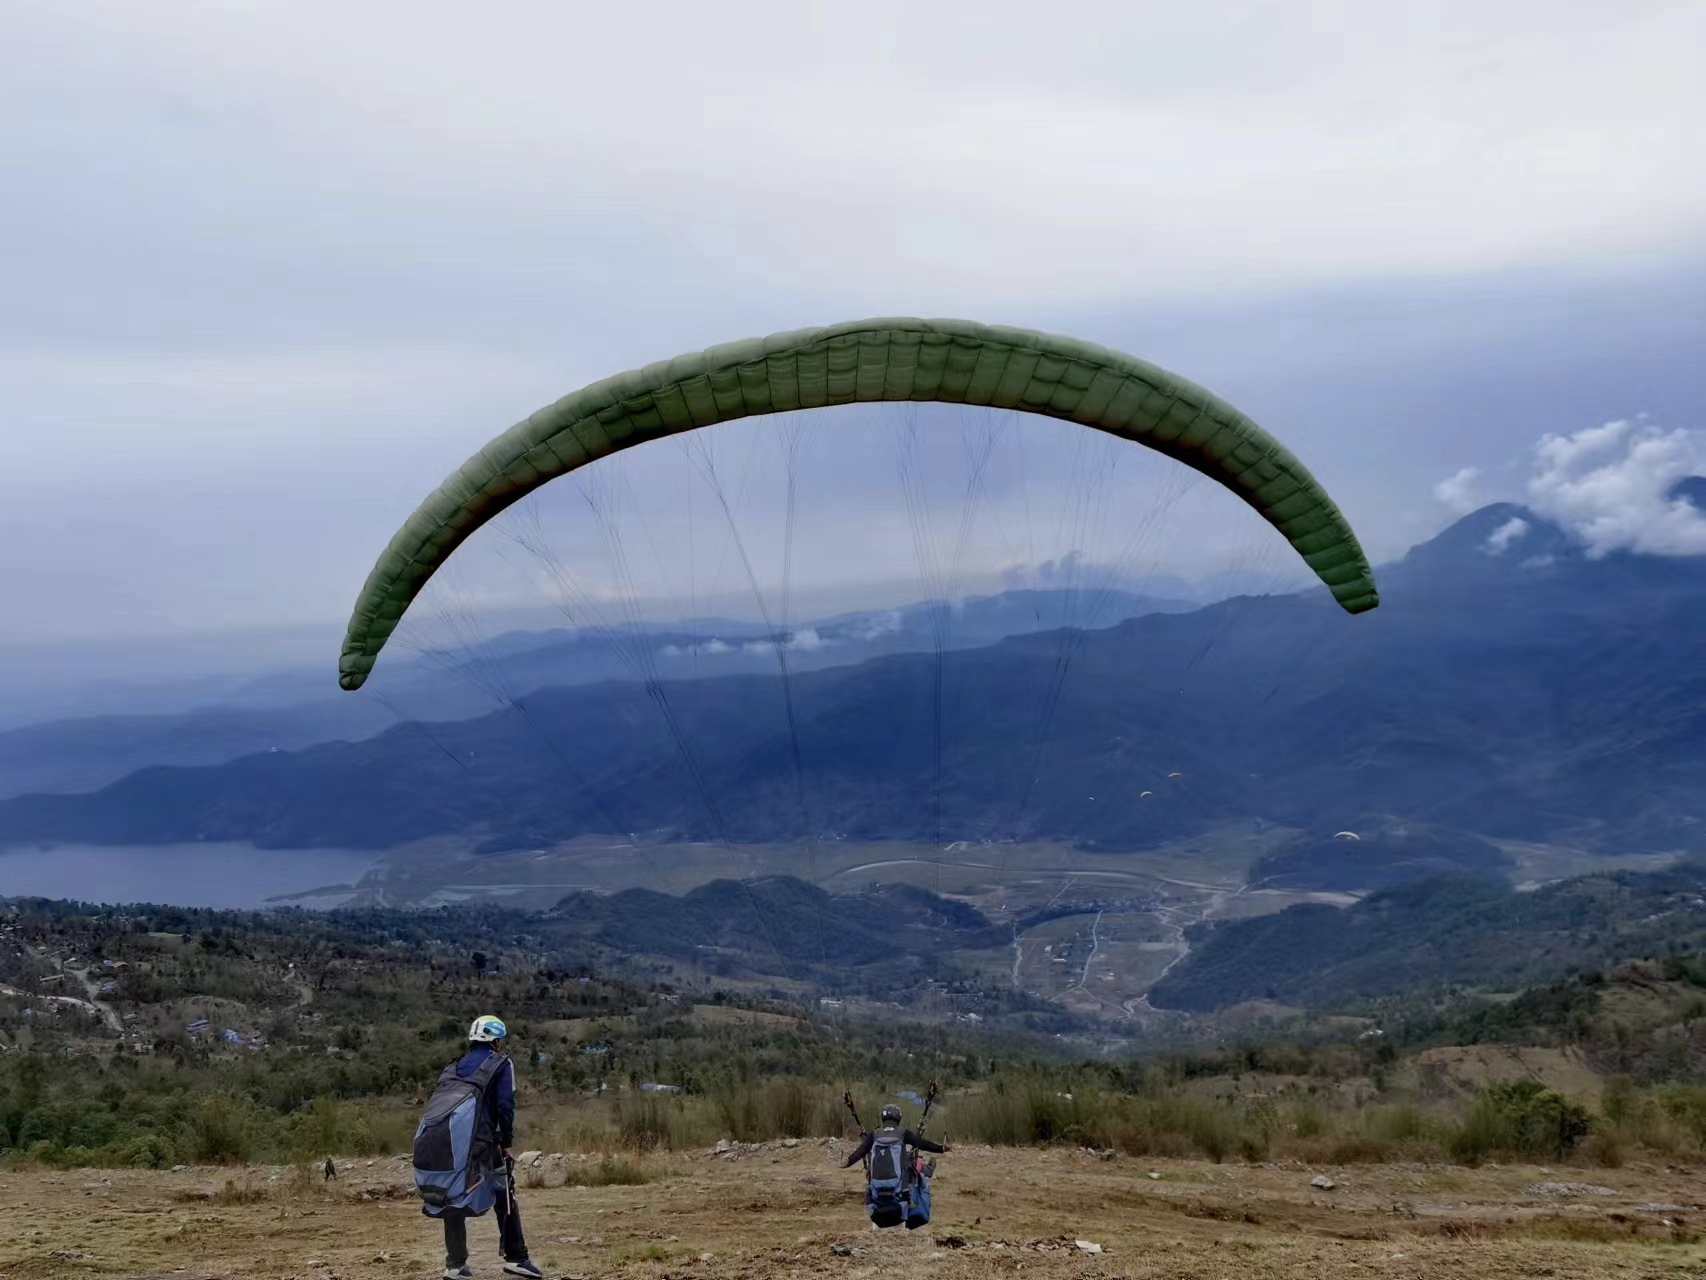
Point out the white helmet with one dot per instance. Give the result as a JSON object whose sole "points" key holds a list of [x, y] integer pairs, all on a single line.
{"points": [[486, 1030]]}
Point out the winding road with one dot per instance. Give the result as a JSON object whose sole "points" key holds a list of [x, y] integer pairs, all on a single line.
{"points": [[1095, 943], [105, 1012]]}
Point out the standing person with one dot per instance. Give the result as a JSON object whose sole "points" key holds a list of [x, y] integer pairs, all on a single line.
{"points": [[897, 1185], [485, 1181], [330, 1171]]}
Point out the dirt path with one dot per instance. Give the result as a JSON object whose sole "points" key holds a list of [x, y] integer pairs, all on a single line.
{"points": [[1081, 873], [109, 1015], [104, 1012], [776, 1212], [1095, 946]]}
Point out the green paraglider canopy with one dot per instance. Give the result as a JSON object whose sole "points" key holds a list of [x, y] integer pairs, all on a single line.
{"points": [[952, 361]]}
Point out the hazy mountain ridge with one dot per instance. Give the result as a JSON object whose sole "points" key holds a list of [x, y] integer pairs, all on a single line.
{"points": [[1509, 686], [283, 713]]}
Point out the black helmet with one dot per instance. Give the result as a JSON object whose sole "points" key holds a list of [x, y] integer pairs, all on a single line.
{"points": [[891, 1114]]}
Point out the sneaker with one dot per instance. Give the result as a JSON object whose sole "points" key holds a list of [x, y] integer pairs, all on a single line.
{"points": [[463, 1272], [525, 1268]]}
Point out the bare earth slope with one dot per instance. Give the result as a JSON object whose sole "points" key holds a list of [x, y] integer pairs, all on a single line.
{"points": [[779, 1211]]}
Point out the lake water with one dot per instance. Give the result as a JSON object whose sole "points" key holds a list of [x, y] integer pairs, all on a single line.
{"points": [[234, 876]]}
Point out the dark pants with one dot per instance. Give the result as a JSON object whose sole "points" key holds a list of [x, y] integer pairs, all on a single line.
{"points": [[509, 1233]]}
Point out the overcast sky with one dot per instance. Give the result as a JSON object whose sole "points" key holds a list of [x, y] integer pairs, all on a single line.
{"points": [[273, 269]]}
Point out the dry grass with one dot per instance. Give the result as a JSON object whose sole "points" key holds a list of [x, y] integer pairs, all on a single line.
{"points": [[775, 1213]]}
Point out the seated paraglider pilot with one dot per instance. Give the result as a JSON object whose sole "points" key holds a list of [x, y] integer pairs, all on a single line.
{"points": [[897, 1183]]}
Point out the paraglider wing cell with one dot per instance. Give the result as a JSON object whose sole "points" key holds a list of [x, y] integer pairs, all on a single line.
{"points": [[952, 361]]}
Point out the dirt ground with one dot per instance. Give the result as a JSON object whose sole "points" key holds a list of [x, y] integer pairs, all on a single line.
{"points": [[768, 1212]]}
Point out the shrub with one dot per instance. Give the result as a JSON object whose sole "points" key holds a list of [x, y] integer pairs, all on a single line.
{"points": [[1401, 1123], [785, 1107], [612, 1171], [1604, 1148], [1520, 1118], [221, 1132], [646, 1121], [146, 1151], [1307, 1120], [1617, 1101], [244, 1190], [1684, 1106]]}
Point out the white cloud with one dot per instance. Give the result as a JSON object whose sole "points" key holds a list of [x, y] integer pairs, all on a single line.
{"points": [[1562, 453], [805, 640], [1459, 492], [1610, 486], [1067, 571], [1502, 537], [877, 625], [711, 647]]}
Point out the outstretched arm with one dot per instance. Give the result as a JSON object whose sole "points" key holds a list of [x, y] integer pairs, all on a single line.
{"points": [[924, 1144], [863, 1150]]}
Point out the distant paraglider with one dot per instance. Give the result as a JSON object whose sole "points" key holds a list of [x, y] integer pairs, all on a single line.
{"points": [[1346, 835]]}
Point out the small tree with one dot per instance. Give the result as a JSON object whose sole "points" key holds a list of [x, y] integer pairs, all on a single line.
{"points": [[1521, 1118]]}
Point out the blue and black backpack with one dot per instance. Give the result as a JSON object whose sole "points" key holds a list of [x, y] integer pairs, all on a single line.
{"points": [[887, 1187], [456, 1150]]}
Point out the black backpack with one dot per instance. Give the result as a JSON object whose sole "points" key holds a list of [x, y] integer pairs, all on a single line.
{"points": [[888, 1187]]}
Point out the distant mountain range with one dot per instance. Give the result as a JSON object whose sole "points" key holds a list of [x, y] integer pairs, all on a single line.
{"points": [[1435, 935], [285, 713], [1509, 687]]}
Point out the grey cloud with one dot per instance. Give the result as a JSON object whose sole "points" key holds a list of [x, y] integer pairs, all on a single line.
{"points": [[243, 165], [275, 271]]}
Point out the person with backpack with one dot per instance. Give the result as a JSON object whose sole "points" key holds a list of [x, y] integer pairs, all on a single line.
{"points": [[462, 1161], [897, 1182]]}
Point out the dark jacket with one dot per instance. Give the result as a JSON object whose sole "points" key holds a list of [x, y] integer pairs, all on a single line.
{"points": [[500, 1096], [911, 1139]]}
